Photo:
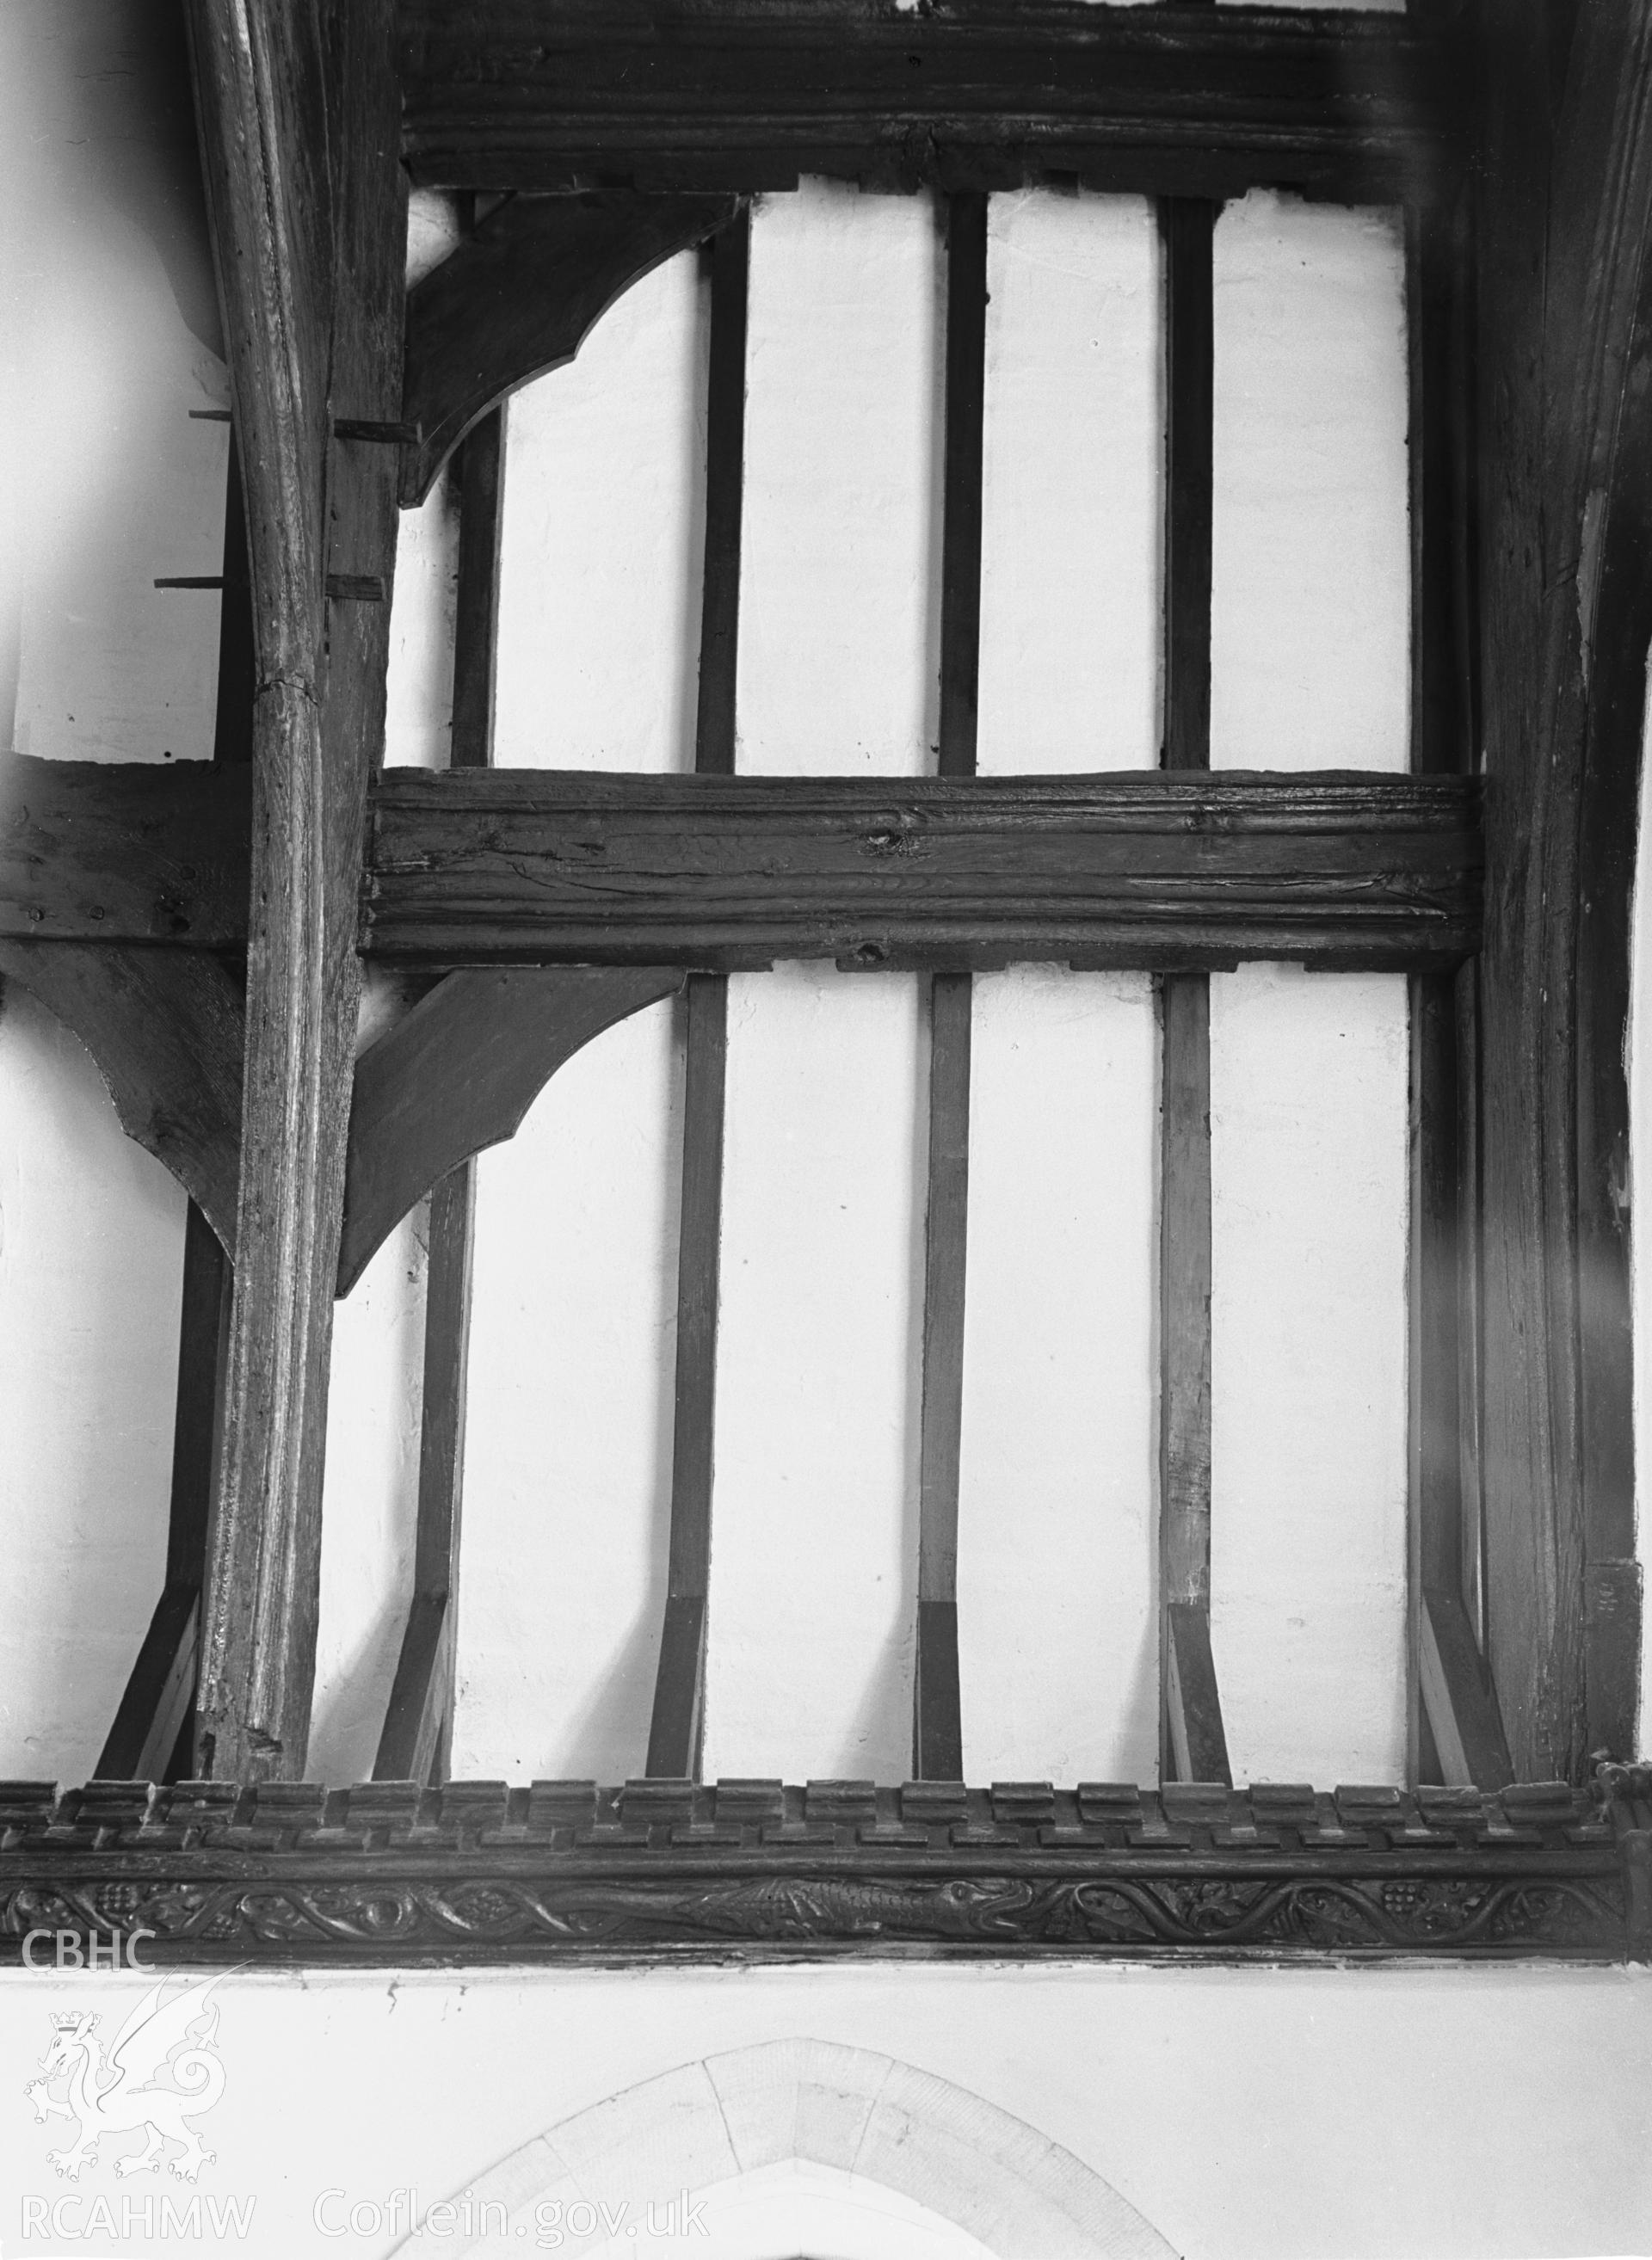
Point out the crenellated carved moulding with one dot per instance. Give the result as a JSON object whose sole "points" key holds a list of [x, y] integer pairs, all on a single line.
{"points": [[475, 1873]]}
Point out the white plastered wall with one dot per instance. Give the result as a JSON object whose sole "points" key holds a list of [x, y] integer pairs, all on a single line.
{"points": [[1245, 2114]]}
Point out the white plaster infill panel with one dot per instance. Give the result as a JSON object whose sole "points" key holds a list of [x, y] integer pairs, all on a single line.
{"points": [[740, 2116]]}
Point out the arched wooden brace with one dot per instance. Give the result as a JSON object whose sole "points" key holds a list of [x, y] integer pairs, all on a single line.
{"points": [[520, 295], [165, 1028], [460, 1073]]}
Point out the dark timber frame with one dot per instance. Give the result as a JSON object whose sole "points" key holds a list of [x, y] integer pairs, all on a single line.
{"points": [[1497, 874]]}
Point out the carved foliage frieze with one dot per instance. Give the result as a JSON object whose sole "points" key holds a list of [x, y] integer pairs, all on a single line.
{"points": [[390, 1873]]}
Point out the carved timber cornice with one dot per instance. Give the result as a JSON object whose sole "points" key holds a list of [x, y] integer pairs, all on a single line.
{"points": [[388, 1872]]}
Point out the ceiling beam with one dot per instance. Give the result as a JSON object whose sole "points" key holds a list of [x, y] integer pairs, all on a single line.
{"points": [[123, 852], [1337, 869], [727, 94]]}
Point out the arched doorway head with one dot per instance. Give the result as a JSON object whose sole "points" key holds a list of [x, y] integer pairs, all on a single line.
{"points": [[859, 2117]]}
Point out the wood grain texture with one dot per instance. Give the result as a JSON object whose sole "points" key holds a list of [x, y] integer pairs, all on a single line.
{"points": [[1615, 607], [728, 254], [674, 1735], [1455, 1731], [1125, 869], [417, 1733], [1196, 1742], [938, 1730], [416, 1719], [420, 1713], [676, 1724], [165, 1029], [1563, 197], [1459, 1701], [1441, 477], [1459, 1704], [123, 852], [202, 1347], [478, 471], [1187, 229], [237, 642], [299, 109], [966, 220], [560, 94], [459, 1074], [520, 295], [1185, 1291], [937, 1700], [390, 1873], [1192, 1743], [447, 1342], [157, 1703]]}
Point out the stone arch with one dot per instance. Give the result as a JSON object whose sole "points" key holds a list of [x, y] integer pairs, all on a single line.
{"points": [[850, 2110]]}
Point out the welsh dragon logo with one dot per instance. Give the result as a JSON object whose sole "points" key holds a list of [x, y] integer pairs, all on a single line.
{"points": [[117, 2093]]}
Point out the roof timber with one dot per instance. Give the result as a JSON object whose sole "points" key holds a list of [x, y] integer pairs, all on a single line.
{"points": [[297, 107], [968, 94], [1334, 868]]}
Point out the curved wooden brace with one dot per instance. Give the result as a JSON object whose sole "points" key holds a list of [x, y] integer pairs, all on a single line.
{"points": [[520, 295], [165, 1028], [459, 1074]]}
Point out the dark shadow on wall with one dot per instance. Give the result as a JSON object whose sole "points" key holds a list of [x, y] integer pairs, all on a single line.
{"points": [[123, 68]]}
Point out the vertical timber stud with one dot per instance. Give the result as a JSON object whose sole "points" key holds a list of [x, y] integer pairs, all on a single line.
{"points": [[299, 112], [417, 1724], [938, 1733], [478, 468], [419, 1720], [1193, 1746], [1615, 608], [938, 1726], [676, 1728], [1455, 1730], [237, 654], [1562, 176], [153, 1721]]}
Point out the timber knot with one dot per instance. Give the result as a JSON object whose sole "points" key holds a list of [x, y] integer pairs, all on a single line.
{"points": [[896, 839]]}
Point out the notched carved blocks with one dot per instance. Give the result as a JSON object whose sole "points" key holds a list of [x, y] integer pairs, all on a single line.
{"points": [[393, 1872]]}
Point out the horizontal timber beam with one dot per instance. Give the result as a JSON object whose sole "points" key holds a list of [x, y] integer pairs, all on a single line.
{"points": [[124, 851], [392, 1873], [1330, 868], [720, 94]]}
